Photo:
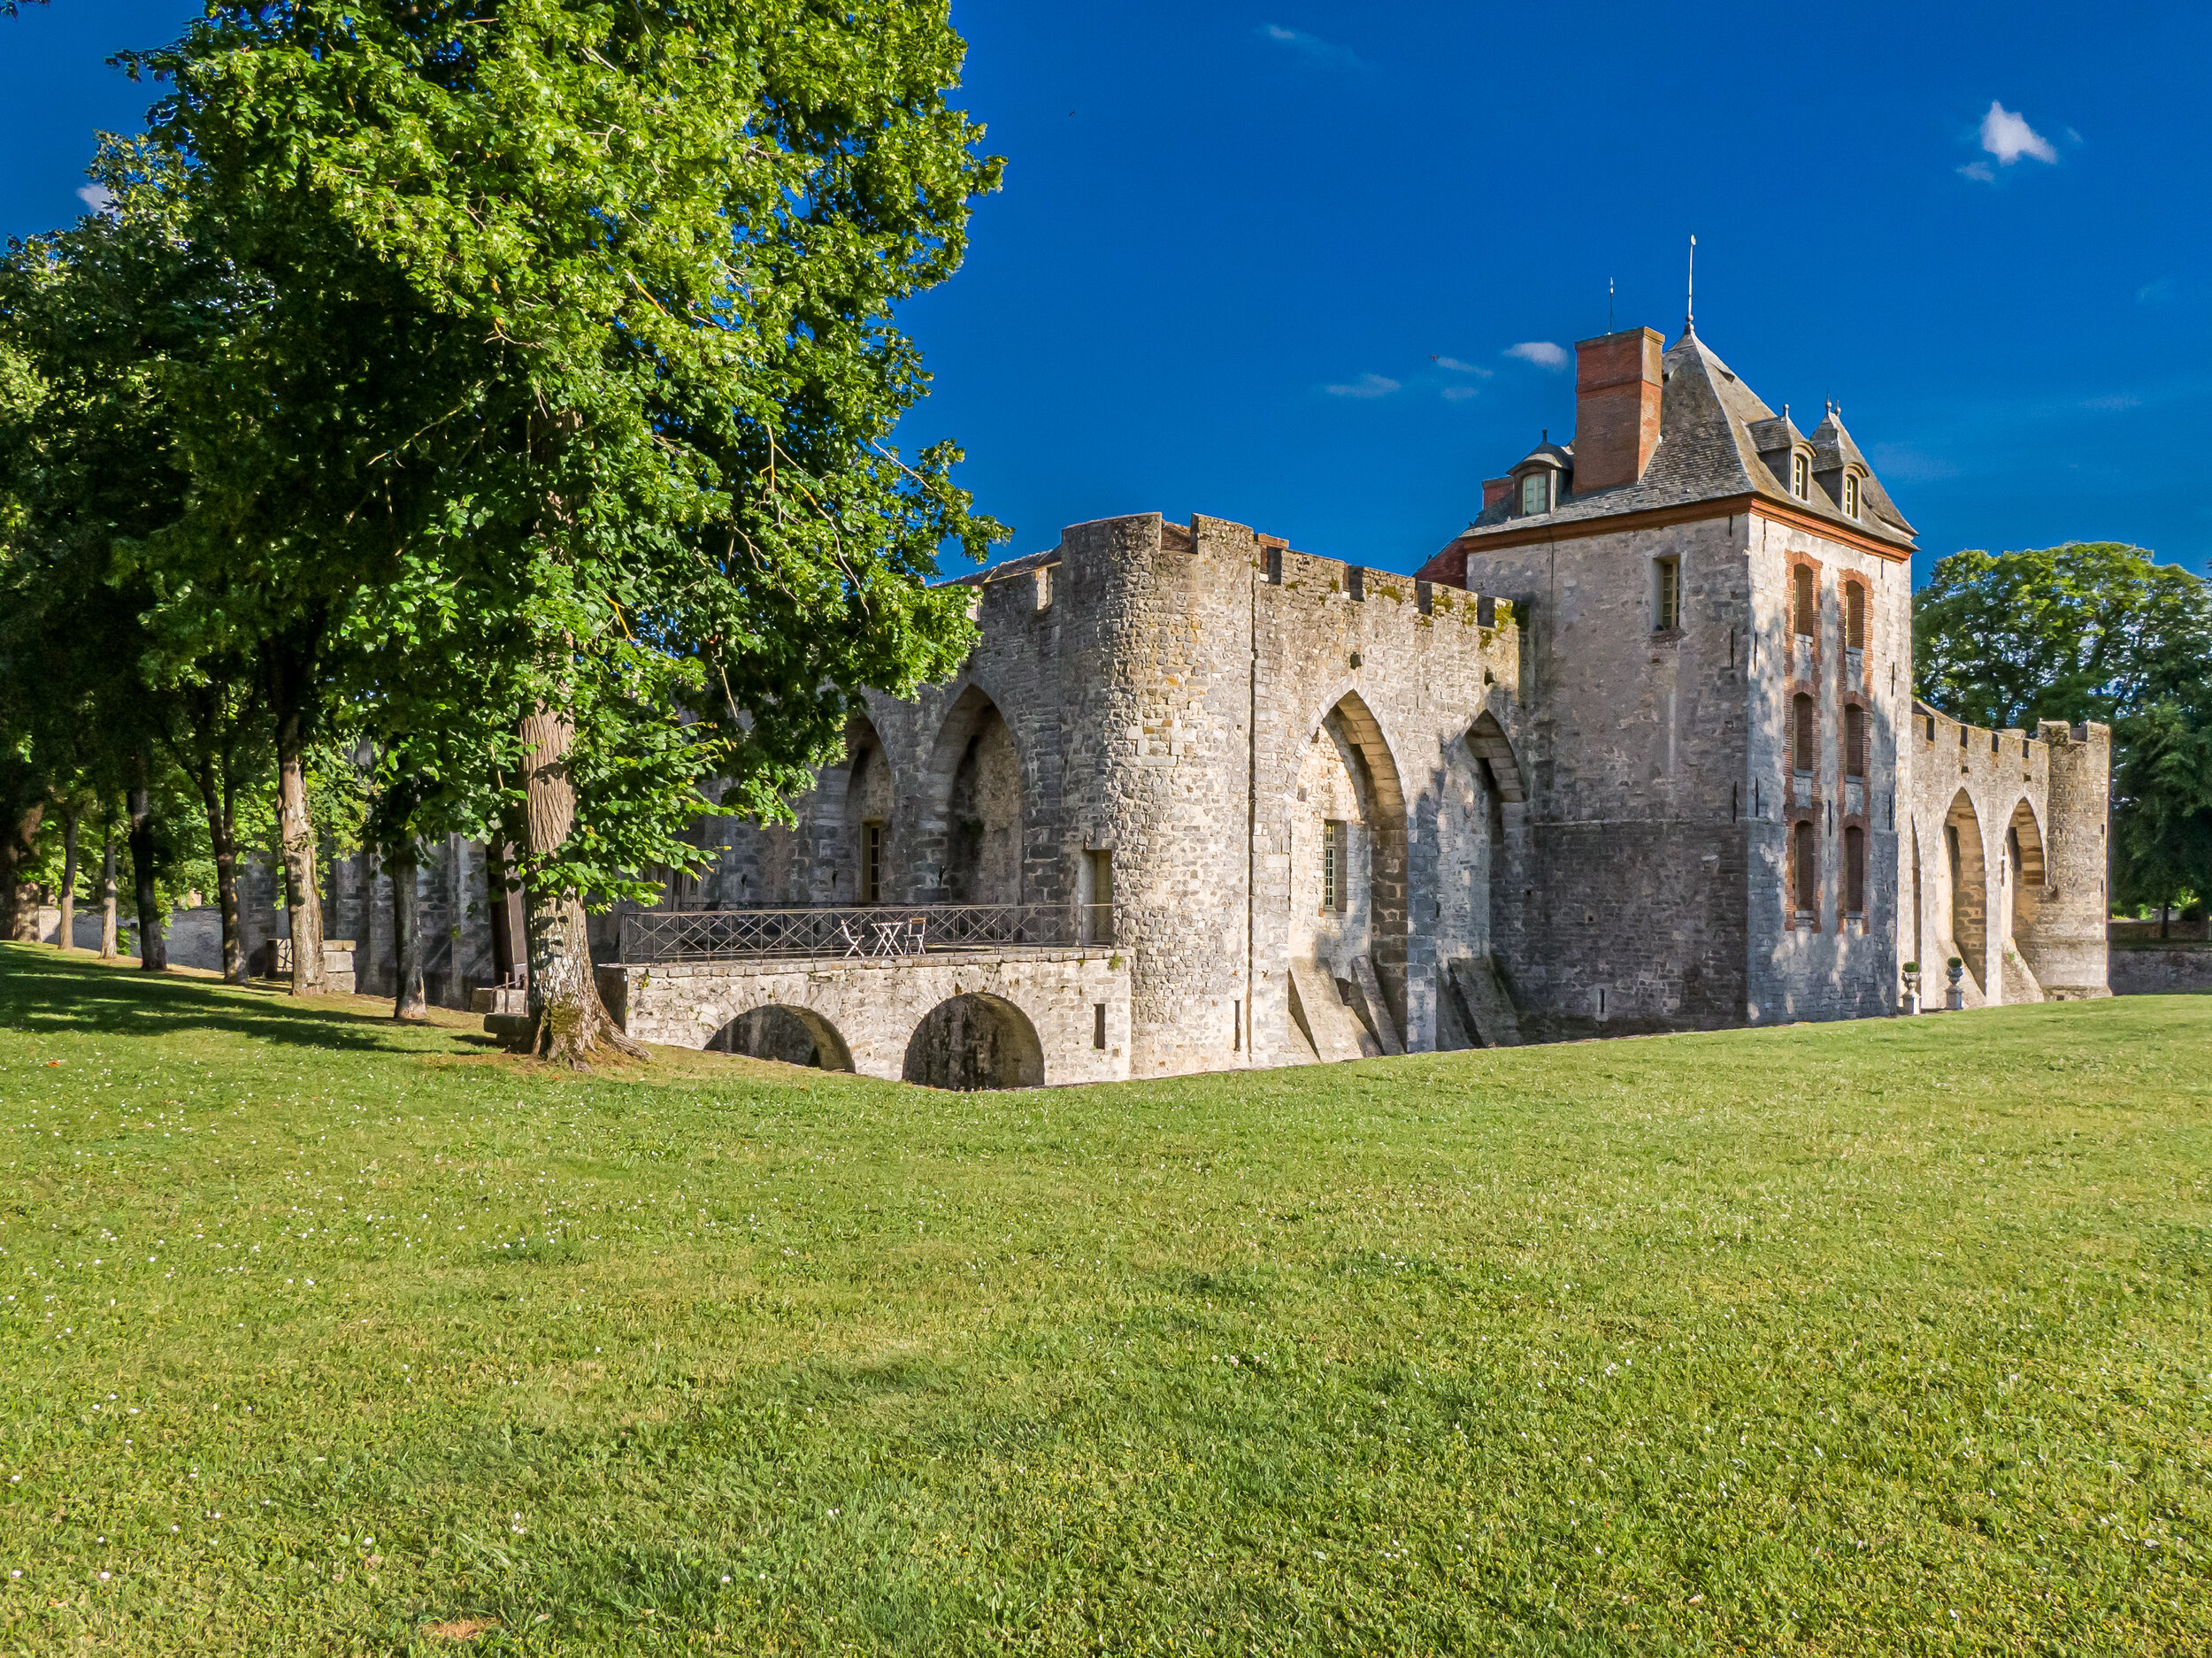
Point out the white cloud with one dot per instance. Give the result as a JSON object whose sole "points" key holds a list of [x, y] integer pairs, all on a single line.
{"points": [[2114, 404], [1461, 393], [96, 198], [1543, 353], [1458, 367], [2006, 136], [1311, 47], [1979, 171], [1365, 386], [2155, 293]]}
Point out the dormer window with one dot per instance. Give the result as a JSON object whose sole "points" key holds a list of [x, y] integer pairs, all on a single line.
{"points": [[1850, 495], [1535, 494], [1801, 474]]}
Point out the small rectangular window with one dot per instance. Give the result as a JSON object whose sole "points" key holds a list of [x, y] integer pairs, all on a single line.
{"points": [[1855, 870], [1850, 495], [1275, 566], [1801, 474], [1332, 869], [1801, 733], [1098, 1025], [1854, 742], [1044, 588], [1669, 571], [1536, 493], [1804, 870], [871, 864], [1236, 1026], [1804, 602], [1356, 583], [1854, 616]]}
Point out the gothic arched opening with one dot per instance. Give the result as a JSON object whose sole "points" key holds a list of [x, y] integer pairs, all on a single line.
{"points": [[794, 1036], [865, 815], [973, 1042], [977, 790], [1970, 887]]}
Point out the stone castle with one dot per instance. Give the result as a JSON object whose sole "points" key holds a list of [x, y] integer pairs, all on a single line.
{"points": [[1637, 751]]}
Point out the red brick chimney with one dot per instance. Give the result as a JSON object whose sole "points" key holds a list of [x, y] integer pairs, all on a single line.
{"points": [[1495, 490], [1616, 407]]}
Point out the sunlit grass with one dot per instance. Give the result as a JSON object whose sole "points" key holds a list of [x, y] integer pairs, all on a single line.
{"points": [[326, 1336]]}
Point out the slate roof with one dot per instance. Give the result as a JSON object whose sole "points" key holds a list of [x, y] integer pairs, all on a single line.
{"points": [[1712, 428]]}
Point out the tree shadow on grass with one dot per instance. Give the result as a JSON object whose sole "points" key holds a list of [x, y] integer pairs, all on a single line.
{"points": [[42, 993]]}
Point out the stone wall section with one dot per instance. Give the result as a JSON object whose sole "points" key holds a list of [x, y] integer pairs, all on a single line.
{"points": [[2008, 846]]}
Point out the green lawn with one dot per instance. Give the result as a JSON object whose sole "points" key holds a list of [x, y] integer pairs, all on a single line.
{"points": [[326, 1337]]}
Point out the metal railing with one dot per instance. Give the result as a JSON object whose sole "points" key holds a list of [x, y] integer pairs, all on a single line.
{"points": [[865, 930]]}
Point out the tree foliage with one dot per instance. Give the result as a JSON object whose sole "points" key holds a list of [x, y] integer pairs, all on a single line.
{"points": [[539, 357]]}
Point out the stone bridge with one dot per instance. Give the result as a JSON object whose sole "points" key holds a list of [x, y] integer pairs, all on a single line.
{"points": [[1010, 1017]]}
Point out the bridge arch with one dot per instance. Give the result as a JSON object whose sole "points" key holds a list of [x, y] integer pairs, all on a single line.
{"points": [[972, 1041], [780, 1031]]}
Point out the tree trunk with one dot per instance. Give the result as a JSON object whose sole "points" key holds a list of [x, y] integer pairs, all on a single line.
{"points": [[68, 938], [20, 849], [153, 948], [215, 797], [572, 1024], [408, 1000], [303, 891], [107, 891]]}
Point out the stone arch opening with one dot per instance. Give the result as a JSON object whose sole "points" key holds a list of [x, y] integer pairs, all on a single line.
{"points": [[973, 1042], [1493, 751], [795, 1036], [1970, 887], [1349, 864], [865, 808], [975, 833], [2026, 876]]}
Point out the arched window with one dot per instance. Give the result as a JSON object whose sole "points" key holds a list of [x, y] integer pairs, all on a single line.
{"points": [[1801, 733], [1855, 870], [1853, 616], [1804, 870], [1801, 474], [1803, 609], [1850, 495], [1854, 740]]}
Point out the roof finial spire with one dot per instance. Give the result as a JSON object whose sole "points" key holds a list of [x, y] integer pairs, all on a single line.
{"points": [[1689, 309], [1609, 304]]}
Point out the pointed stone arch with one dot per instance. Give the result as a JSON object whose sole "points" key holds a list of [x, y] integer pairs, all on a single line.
{"points": [[2024, 889], [1968, 918], [1487, 741], [972, 817], [865, 809], [1350, 724]]}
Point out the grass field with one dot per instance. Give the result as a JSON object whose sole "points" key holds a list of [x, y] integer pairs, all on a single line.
{"points": [[323, 1335]]}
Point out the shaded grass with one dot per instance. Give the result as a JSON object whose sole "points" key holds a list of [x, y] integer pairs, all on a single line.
{"points": [[1880, 1338]]}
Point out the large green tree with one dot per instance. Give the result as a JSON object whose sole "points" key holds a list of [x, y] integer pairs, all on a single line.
{"points": [[589, 306], [2091, 629]]}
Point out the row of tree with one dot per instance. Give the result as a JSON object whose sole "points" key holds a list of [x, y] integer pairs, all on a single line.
{"points": [[2091, 629], [499, 393]]}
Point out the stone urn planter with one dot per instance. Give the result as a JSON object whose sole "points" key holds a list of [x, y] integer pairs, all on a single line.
{"points": [[1955, 998], [1910, 1002]]}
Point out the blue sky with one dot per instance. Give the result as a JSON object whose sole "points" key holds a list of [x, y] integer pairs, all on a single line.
{"points": [[1271, 263]]}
